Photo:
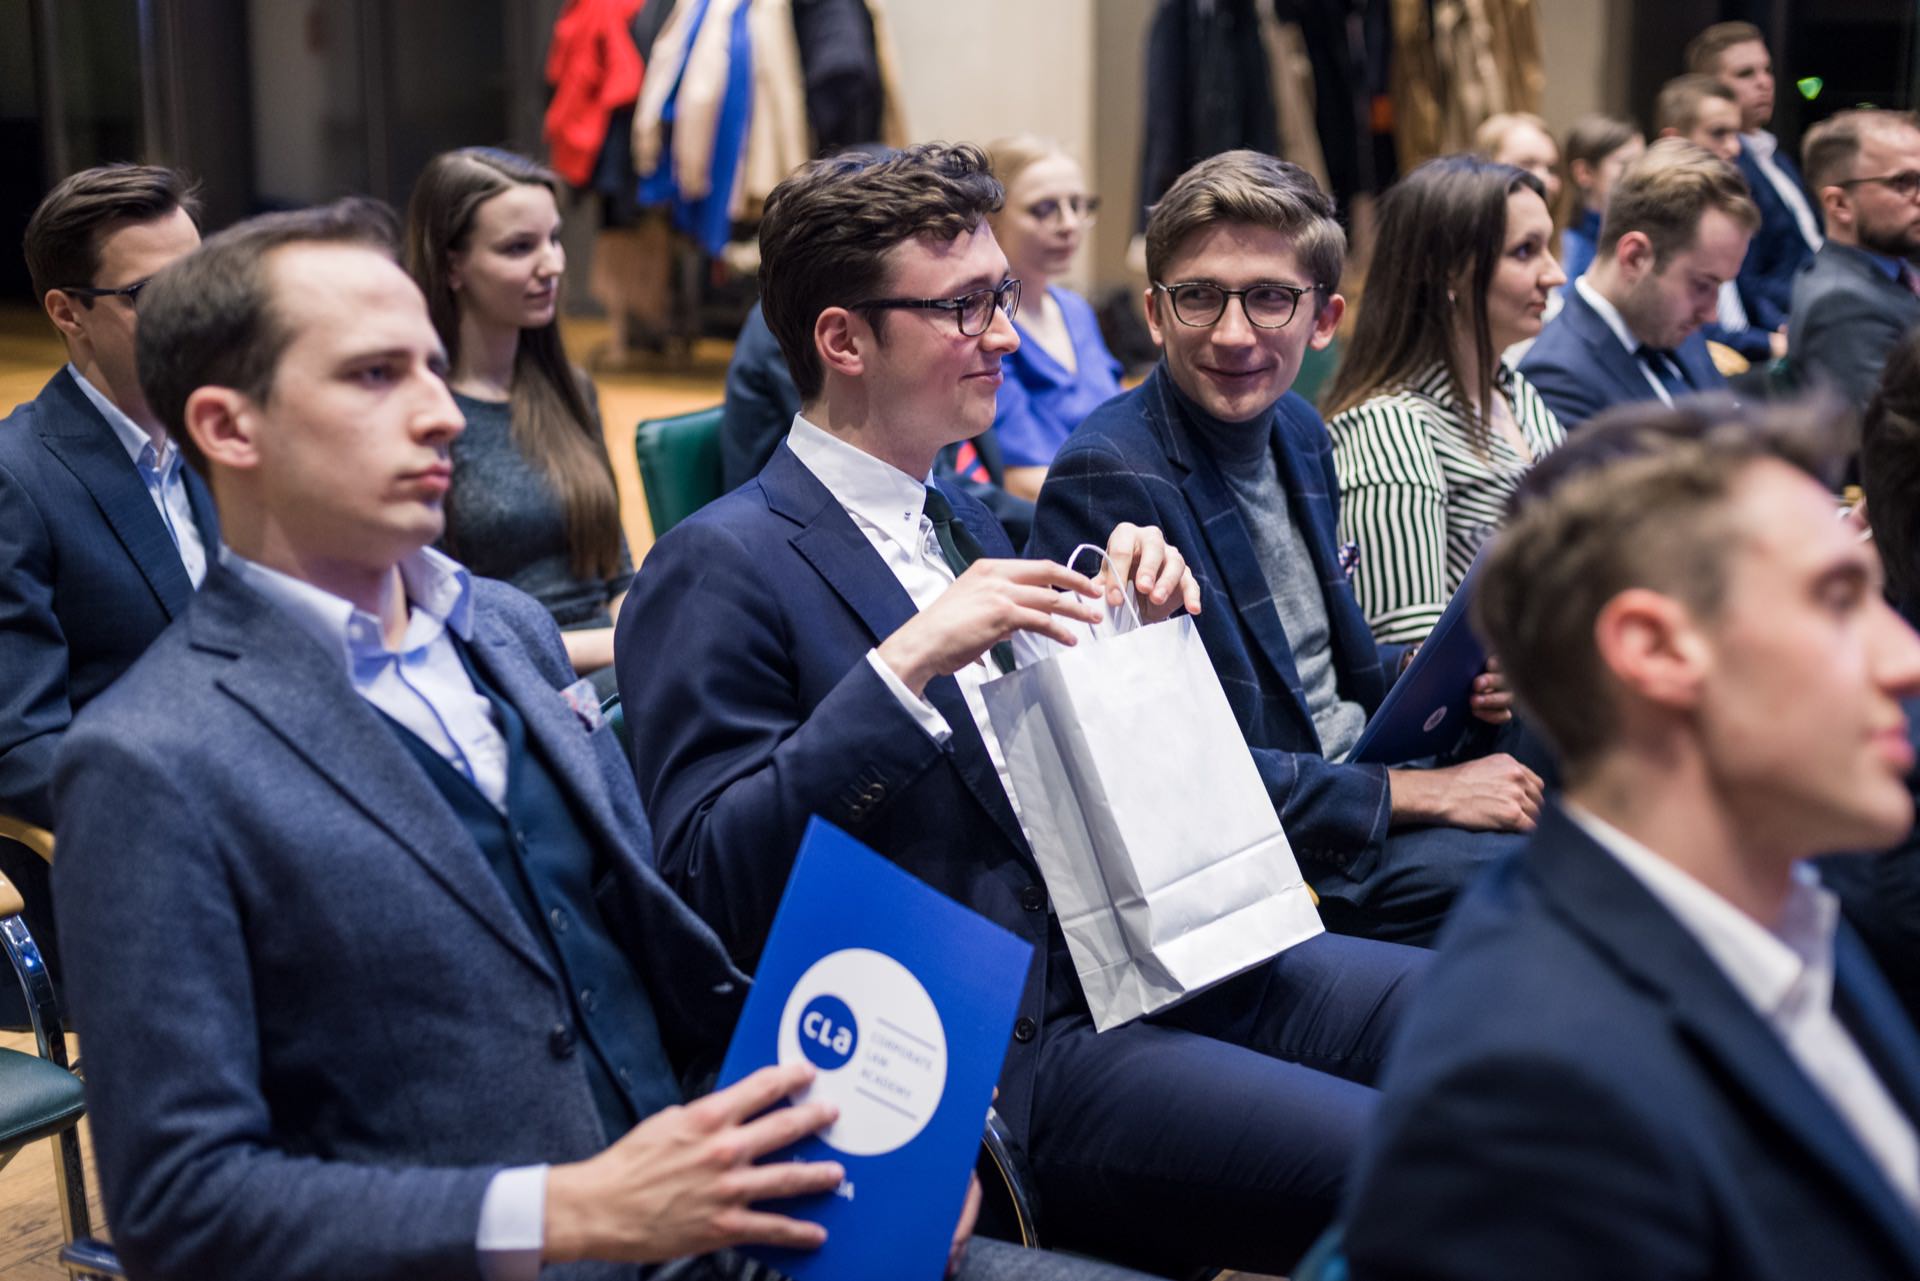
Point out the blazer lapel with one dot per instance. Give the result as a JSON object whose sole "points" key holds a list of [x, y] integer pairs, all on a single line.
{"points": [[1629, 379], [1604, 902], [300, 695], [76, 434]]}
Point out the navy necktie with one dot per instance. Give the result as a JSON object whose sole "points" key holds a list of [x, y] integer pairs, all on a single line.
{"points": [[1666, 367], [960, 549]]}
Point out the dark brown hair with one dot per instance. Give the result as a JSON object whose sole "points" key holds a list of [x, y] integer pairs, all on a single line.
{"points": [[1666, 192], [553, 423], [1704, 50], [62, 241], [1890, 469], [1828, 152], [209, 319], [1590, 141], [1442, 231], [1254, 188], [827, 229], [1638, 497]]}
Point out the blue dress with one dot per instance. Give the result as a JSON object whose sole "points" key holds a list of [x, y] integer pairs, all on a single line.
{"points": [[1041, 402]]}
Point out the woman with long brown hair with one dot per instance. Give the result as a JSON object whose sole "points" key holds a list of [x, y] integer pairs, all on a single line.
{"points": [[533, 499]]}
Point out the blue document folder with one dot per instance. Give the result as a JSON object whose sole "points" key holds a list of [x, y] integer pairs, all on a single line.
{"points": [[904, 1001], [1427, 709]]}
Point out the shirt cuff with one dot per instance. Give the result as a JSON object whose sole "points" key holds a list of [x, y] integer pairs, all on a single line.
{"points": [[513, 1217], [920, 709]]}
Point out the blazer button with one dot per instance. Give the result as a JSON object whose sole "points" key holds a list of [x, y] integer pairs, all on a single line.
{"points": [[1033, 898], [874, 793], [560, 1041], [1023, 1030]]}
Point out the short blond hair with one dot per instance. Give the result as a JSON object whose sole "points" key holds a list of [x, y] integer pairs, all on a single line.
{"points": [[1011, 156], [1678, 106], [1664, 194], [1494, 130], [1704, 50], [1256, 189]]}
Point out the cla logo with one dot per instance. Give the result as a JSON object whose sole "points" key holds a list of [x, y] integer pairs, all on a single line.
{"points": [[828, 1032]]}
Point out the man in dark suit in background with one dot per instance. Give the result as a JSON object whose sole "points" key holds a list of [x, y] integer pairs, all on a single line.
{"points": [[375, 975], [1675, 230], [1735, 54], [815, 643], [1649, 1048], [104, 534], [1860, 296]]}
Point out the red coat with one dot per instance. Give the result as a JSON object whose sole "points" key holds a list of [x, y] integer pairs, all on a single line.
{"points": [[594, 69]]}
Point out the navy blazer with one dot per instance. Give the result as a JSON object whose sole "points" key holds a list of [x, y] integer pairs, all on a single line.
{"points": [[1582, 1094], [1848, 315], [1778, 250], [315, 1024], [1135, 459], [742, 648], [1580, 368], [88, 577]]}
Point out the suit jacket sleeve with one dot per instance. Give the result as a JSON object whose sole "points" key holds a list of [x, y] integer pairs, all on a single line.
{"points": [[197, 1181], [1572, 397], [1586, 1188], [1323, 806], [34, 711], [1844, 341], [730, 761]]}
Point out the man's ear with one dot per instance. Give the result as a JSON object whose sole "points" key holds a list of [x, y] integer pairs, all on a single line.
{"points": [[1650, 644], [224, 423], [840, 337], [63, 309], [1634, 253], [1326, 320], [1149, 304]]}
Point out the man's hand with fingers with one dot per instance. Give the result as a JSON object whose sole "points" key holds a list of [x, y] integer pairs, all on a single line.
{"points": [[683, 1182], [1162, 582], [987, 604], [1493, 794]]}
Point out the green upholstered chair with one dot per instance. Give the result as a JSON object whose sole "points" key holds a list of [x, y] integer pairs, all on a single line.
{"points": [[679, 465], [1316, 371]]}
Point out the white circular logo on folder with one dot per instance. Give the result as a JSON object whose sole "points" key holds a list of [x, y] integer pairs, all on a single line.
{"points": [[873, 1034]]}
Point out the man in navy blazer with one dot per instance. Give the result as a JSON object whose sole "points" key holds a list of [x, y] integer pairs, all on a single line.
{"points": [[815, 643], [1238, 470], [104, 534], [374, 972], [1675, 230], [1735, 54], [1649, 1047]]}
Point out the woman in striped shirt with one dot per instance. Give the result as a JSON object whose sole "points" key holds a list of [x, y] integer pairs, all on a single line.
{"points": [[1431, 432]]}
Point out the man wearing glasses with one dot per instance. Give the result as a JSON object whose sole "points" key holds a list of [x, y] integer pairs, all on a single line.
{"points": [[1860, 295], [1244, 256], [815, 642], [104, 534]]}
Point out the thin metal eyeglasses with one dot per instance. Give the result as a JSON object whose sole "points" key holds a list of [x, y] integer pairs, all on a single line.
{"points": [[972, 312], [89, 292], [1905, 184], [1199, 304], [1084, 208]]}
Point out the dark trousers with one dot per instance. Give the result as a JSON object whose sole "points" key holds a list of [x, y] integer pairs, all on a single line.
{"points": [[1421, 872], [1219, 1132]]}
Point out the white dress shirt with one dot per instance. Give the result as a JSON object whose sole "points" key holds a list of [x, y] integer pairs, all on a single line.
{"points": [[1786, 974], [1762, 145], [160, 473], [888, 506], [1618, 323], [424, 686]]}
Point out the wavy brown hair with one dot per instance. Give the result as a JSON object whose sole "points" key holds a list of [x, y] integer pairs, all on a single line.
{"points": [[553, 422]]}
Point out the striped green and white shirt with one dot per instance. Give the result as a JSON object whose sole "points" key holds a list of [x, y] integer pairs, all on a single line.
{"points": [[1418, 495]]}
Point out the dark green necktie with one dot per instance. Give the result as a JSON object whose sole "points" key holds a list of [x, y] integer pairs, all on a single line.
{"points": [[960, 549]]}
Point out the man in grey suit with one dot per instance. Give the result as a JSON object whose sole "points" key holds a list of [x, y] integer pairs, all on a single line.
{"points": [[1860, 293], [374, 973]]}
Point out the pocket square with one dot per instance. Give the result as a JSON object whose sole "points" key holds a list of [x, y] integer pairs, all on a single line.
{"points": [[580, 696]]}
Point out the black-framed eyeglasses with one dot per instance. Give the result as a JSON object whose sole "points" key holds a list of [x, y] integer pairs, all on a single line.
{"points": [[1905, 184], [1083, 208], [973, 311], [1200, 303], [89, 292]]}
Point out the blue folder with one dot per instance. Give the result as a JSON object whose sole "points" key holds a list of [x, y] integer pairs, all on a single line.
{"points": [[1428, 708], [903, 1000]]}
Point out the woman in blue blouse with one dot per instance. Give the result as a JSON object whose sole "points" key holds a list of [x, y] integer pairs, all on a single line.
{"points": [[1063, 370], [1598, 150]]}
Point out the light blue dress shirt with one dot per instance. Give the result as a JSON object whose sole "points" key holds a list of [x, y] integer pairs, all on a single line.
{"points": [[160, 472]]}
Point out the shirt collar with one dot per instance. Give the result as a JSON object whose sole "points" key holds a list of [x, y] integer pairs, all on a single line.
{"points": [[1781, 971], [1760, 143], [133, 437], [1609, 313], [873, 491], [439, 590], [1889, 266]]}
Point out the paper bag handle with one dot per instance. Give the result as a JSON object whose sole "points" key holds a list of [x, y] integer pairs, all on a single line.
{"points": [[1127, 591]]}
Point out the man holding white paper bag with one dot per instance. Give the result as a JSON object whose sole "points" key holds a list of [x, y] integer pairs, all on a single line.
{"points": [[817, 643], [1244, 256]]}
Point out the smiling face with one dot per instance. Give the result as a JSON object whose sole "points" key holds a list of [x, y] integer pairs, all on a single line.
{"points": [[1747, 69], [1526, 273], [1662, 307], [351, 440], [1798, 712], [1037, 227], [508, 276], [1232, 369]]}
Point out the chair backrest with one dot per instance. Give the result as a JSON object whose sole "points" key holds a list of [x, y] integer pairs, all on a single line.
{"points": [[1316, 371], [679, 465]]}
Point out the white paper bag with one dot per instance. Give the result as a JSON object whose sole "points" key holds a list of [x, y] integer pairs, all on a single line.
{"points": [[1160, 847]]}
